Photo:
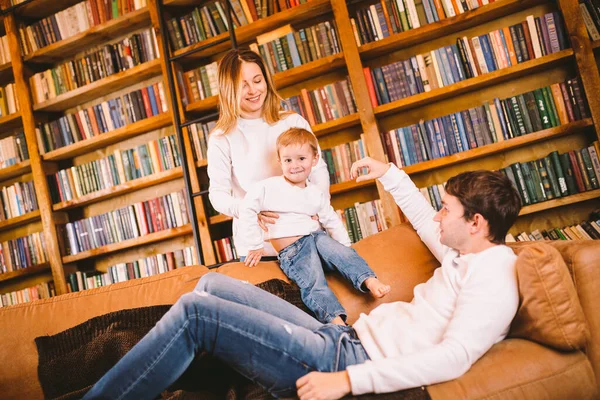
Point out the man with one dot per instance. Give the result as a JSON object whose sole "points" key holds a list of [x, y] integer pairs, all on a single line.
{"points": [[454, 318]]}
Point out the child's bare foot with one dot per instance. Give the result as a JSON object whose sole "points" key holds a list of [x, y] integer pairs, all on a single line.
{"points": [[338, 321], [377, 289]]}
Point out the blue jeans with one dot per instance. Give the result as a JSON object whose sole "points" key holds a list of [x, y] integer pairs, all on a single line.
{"points": [[258, 334], [305, 262]]}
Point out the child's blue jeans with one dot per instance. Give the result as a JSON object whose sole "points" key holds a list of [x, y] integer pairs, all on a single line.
{"points": [[263, 337], [305, 262]]}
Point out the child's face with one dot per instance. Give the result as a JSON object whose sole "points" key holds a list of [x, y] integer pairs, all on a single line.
{"points": [[297, 162]]}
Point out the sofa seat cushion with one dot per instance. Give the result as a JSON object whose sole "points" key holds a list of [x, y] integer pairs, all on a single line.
{"points": [[549, 310], [521, 369]]}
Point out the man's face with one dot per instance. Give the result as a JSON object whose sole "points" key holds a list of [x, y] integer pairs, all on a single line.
{"points": [[297, 162], [454, 229]]}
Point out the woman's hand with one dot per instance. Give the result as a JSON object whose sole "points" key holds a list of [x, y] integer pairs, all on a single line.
{"points": [[376, 169], [253, 257], [323, 385], [266, 217]]}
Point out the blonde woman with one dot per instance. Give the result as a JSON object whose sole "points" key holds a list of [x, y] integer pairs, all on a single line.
{"points": [[241, 148]]}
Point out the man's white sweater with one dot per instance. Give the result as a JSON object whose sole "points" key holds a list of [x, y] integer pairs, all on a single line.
{"points": [[454, 318]]}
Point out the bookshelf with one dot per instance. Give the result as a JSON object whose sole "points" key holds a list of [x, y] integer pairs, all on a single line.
{"points": [[369, 120]]}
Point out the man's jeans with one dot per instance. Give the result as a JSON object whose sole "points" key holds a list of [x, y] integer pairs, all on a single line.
{"points": [[305, 262], [260, 335]]}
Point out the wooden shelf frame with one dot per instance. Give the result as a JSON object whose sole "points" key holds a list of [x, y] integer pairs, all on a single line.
{"points": [[94, 36], [123, 188], [23, 272], [219, 219], [476, 83], [39, 9], [10, 122], [101, 87], [106, 139], [445, 27], [6, 72], [247, 33], [22, 168], [559, 202], [128, 244], [20, 220], [336, 125]]}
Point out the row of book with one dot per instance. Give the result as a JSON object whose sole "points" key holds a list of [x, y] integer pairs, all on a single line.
{"points": [[202, 23], [13, 150], [364, 219], [256, 9], [73, 20], [102, 118], [387, 17], [199, 138], [110, 59], [198, 83], [556, 175], [301, 46], [495, 121], [22, 252], [43, 290], [586, 230], [502, 48], [4, 50], [225, 249], [323, 104], [590, 10], [142, 268], [339, 159], [9, 102], [120, 167], [125, 223], [17, 199]]}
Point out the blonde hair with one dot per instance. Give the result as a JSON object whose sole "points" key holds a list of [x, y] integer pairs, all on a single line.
{"points": [[230, 87], [297, 137]]}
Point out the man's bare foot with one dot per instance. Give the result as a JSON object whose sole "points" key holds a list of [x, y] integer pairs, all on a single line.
{"points": [[377, 289], [338, 321]]}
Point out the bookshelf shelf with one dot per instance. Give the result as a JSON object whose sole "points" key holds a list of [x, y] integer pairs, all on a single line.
{"points": [[96, 89], [15, 170], [448, 26], [201, 163], [559, 202], [495, 148], [219, 219], [20, 220], [336, 125], [6, 73], [11, 121], [127, 244], [94, 36], [472, 84], [596, 44], [42, 8], [309, 70], [36, 269], [123, 188], [105, 139], [337, 188], [204, 105], [247, 33]]}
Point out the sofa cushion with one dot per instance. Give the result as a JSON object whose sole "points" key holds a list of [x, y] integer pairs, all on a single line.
{"points": [[549, 311]]}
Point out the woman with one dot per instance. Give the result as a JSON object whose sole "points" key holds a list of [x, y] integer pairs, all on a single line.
{"points": [[241, 149]]}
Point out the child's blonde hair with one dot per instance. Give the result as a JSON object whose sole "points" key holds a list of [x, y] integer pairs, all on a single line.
{"points": [[297, 137]]}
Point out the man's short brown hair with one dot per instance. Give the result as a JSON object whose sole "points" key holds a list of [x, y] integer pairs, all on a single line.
{"points": [[490, 194], [297, 137]]}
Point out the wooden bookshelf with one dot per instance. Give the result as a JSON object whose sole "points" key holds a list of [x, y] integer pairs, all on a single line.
{"points": [[94, 36], [499, 147], [11, 121], [20, 220], [336, 125], [34, 270], [309, 70], [201, 163], [130, 243], [445, 27], [6, 73], [204, 105], [43, 8], [559, 202], [118, 190], [21, 168], [106, 139], [479, 82], [101, 87], [338, 188], [247, 33], [219, 219]]}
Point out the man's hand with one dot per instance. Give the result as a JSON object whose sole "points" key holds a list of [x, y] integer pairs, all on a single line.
{"points": [[253, 257], [266, 217], [323, 385], [376, 169]]}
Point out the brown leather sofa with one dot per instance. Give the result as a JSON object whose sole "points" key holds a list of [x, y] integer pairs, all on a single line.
{"points": [[516, 368]]}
